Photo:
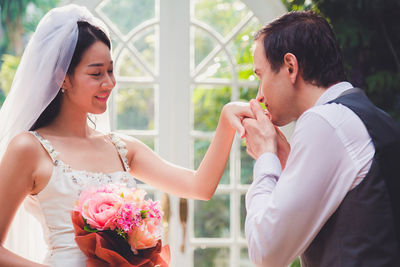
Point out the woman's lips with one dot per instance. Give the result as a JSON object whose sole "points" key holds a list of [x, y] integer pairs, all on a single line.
{"points": [[102, 98]]}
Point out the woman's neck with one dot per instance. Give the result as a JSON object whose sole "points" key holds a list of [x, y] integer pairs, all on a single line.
{"points": [[72, 122]]}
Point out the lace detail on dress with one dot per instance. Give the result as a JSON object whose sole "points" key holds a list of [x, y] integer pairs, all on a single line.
{"points": [[121, 147], [54, 155], [84, 178]]}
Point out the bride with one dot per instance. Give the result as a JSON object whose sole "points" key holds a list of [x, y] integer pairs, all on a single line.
{"points": [[48, 151]]}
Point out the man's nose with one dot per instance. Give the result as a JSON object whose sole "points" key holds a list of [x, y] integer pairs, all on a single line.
{"points": [[260, 97]]}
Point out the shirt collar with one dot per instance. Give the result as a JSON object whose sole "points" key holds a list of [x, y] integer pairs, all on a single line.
{"points": [[333, 92]]}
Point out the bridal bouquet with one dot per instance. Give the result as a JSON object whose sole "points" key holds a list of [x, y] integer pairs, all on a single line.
{"points": [[117, 226]]}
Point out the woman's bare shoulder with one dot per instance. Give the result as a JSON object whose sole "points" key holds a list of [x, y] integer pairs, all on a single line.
{"points": [[25, 143], [127, 139], [132, 144]]}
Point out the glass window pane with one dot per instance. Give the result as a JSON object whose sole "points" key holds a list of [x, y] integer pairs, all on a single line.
{"points": [[246, 162], [200, 149], [242, 214], [211, 257], [203, 44], [2, 97], [127, 14], [211, 218], [208, 103], [246, 165], [246, 93], [145, 43], [240, 47], [135, 108], [128, 67], [244, 258], [223, 16], [218, 68]]}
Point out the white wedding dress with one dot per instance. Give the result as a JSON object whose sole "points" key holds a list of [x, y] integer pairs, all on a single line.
{"points": [[52, 206]]}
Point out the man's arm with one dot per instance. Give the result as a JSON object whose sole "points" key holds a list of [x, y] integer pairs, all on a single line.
{"points": [[286, 210]]}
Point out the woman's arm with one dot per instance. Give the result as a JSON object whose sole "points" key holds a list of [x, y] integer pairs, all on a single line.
{"points": [[201, 184], [17, 172]]}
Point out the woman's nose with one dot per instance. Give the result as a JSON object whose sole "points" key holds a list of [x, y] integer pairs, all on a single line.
{"points": [[108, 82]]}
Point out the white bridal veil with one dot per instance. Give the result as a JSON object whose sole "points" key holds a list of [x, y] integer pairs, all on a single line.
{"points": [[37, 81]]}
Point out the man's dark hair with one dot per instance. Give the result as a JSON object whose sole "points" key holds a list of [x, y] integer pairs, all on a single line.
{"points": [[310, 38]]}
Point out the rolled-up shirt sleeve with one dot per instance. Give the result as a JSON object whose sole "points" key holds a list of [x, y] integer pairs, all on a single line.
{"points": [[286, 209]]}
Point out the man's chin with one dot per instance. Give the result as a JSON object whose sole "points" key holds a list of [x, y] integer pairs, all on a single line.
{"points": [[280, 122]]}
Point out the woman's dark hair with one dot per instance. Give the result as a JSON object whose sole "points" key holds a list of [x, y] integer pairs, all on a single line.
{"points": [[310, 38], [87, 36]]}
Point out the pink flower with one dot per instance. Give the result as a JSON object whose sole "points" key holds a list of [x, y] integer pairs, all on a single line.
{"points": [[135, 195], [145, 236], [99, 208], [128, 216]]}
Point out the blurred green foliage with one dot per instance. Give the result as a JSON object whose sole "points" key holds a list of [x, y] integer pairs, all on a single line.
{"points": [[126, 15], [7, 71], [135, 109], [208, 257], [221, 15], [212, 218], [19, 19], [368, 34]]}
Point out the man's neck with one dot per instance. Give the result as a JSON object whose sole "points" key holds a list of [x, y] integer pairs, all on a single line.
{"points": [[308, 94]]}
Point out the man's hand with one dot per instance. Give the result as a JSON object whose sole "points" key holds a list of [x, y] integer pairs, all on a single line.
{"points": [[283, 147], [261, 136]]}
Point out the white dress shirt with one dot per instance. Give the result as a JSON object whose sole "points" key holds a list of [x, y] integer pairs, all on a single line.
{"points": [[331, 152]]}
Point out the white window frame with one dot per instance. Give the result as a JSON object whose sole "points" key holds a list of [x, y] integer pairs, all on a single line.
{"points": [[173, 83]]}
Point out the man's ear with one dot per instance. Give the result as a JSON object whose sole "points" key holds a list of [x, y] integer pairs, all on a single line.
{"points": [[291, 66]]}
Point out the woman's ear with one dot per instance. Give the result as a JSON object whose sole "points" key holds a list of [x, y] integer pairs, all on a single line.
{"points": [[66, 83], [291, 66]]}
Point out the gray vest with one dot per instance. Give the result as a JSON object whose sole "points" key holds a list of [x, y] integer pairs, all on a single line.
{"points": [[365, 229]]}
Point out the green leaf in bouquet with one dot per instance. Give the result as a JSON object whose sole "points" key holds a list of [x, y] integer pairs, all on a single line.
{"points": [[87, 227], [121, 233], [90, 230], [143, 213]]}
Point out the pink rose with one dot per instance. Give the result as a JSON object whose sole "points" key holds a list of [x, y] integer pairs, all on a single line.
{"points": [[99, 208], [145, 236], [134, 195]]}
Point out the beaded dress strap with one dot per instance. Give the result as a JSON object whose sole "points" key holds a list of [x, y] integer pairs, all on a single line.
{"points": [[121, 148], [47, 145]]}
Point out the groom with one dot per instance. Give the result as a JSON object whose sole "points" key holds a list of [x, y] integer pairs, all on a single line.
{"points": [[333, 197]]}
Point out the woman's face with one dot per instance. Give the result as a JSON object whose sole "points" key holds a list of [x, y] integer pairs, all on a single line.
{"points": [[89, 87]]}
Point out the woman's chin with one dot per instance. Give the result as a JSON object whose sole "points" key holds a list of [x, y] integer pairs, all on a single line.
{"points": [[99, 110]]}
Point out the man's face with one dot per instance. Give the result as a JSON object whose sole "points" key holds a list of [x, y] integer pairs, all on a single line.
{"points": [[275, 89]]}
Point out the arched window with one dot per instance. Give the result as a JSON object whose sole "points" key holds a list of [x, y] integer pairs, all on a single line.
{"points": [[177, 62]]}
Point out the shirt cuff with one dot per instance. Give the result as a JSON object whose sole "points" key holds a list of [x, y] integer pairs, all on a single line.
{"points": [[267, 165], [267, 170]]}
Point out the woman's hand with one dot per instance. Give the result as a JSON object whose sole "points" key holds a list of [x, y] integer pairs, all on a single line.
{"points": [[234, 113], [263, 136]]}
